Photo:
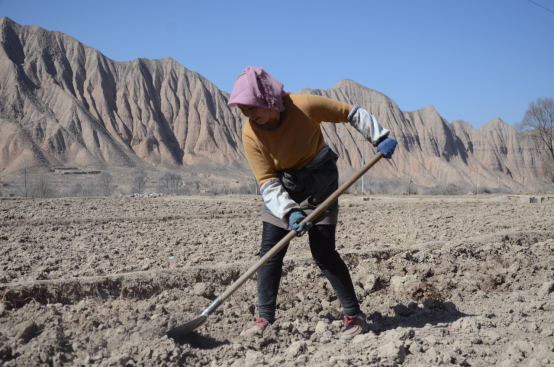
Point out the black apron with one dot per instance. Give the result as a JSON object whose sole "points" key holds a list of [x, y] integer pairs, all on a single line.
{"points": [[309, 187]]}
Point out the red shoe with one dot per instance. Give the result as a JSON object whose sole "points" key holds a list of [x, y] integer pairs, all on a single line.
{"points": [[354, 325], [257, 328]]}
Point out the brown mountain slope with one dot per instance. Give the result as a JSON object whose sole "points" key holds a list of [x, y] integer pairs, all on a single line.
{"points": [[432, 151], [63, 103]]}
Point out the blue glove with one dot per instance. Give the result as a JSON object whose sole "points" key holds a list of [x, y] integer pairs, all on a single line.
{"points": [[295, 217], [386, 147]]}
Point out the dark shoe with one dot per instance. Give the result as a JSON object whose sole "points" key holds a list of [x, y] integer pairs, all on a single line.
{"points": [[257, 328], [354, 325]]}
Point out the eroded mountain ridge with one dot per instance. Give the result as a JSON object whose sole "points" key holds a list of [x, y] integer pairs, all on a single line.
{"points": [[63, 103]]}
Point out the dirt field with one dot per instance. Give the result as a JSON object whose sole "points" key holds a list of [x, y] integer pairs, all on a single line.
{"points": [[443, 281]]}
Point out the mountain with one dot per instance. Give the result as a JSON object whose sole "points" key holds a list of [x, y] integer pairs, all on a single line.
{"points": [[63, 103], [432, 151]]}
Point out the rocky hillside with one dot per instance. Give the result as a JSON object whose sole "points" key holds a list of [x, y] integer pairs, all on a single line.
{"points": [[431, 150], [65, 104]]}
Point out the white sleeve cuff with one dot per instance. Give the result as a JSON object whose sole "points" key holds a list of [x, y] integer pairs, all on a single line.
{"points": [[277, 199], [367, 125]]}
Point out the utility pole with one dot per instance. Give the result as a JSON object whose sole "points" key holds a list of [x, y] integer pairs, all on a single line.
{"points": [[363, 161], [224, 190]]}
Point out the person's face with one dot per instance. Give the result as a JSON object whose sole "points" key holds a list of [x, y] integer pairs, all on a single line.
{"points": [[259, 115]]}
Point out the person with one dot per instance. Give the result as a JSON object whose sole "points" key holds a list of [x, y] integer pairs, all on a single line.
{"points": [[296, 171]]}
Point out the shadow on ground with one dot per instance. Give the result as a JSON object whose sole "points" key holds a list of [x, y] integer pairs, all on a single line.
{"points": [[196, 340], [413, 316]]}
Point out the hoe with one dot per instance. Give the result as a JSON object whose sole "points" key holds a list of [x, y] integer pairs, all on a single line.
{"points": [[187, 327]]}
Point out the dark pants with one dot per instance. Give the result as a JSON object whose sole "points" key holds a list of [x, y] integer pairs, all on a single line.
{"points": [[322, 244]]}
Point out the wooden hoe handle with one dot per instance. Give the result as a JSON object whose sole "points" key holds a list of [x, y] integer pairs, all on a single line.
{"points": [[310, 218]]}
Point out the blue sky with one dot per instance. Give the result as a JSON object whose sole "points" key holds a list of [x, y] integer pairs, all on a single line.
{"points": [[472, 59]]}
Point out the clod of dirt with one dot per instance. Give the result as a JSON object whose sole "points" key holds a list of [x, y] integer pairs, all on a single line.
{"points": [[296, 348], [5, 350], [393, 351], [407, 285], [427, 294], [490, 282], [254, 358], [203, 290], [26, 331], [321, 327], [546, 289], [368, 283]]}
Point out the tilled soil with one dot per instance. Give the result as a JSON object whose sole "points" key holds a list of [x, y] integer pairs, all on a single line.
{"points": [[99, 281]]}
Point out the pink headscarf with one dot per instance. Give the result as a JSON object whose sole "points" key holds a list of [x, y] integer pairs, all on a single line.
{"points": [[256, 87]]}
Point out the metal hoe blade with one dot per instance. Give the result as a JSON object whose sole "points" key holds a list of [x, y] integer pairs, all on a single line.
{"points": [[187, 327]]}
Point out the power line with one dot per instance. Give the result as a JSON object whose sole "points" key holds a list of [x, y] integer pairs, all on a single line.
{"points": [[541, 6]]}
